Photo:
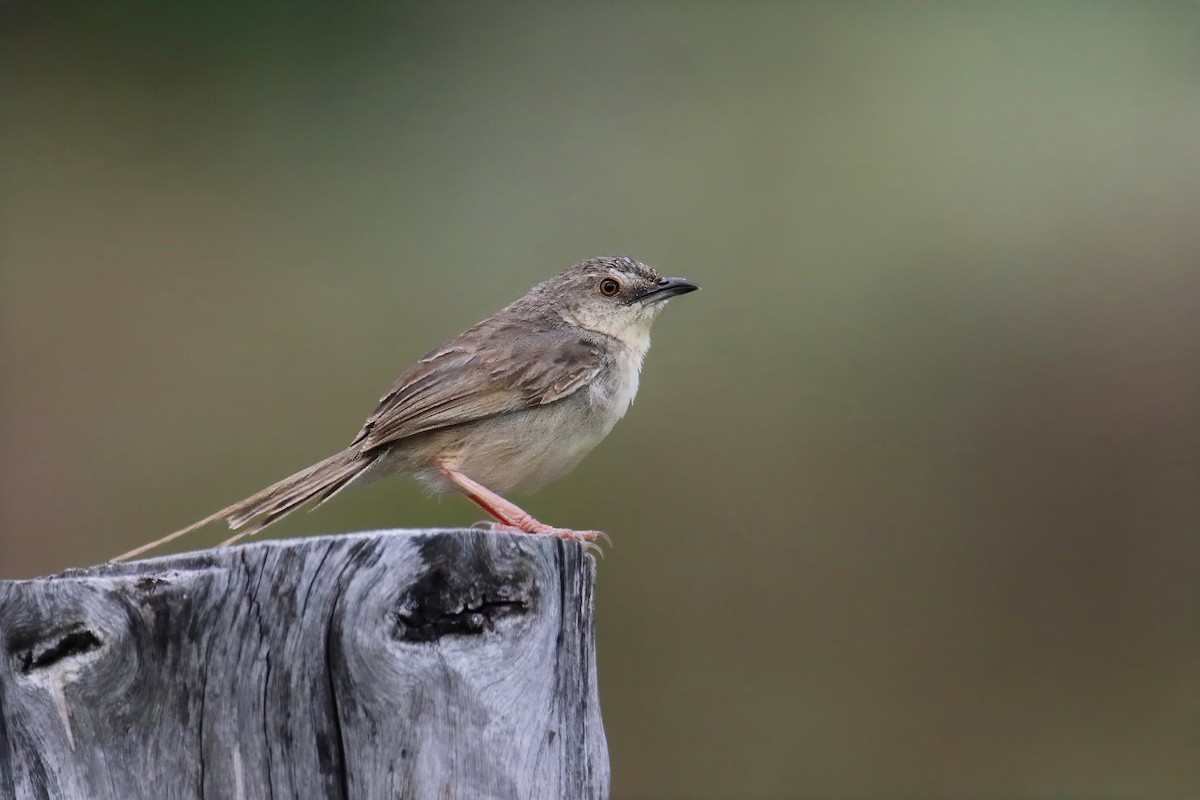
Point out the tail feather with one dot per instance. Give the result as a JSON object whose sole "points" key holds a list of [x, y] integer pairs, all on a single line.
{"points": [[320, 482]]}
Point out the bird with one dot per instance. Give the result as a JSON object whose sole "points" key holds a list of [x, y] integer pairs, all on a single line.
{"points": [[508, 405]]}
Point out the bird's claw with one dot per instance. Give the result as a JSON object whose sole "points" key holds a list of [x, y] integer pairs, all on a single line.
{"points": [[588, 540]]}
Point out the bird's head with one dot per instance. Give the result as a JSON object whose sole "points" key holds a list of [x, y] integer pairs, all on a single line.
{"points": [[613, 295]]}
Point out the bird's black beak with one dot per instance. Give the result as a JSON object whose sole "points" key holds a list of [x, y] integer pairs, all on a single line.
{"points": [[666, 287]]}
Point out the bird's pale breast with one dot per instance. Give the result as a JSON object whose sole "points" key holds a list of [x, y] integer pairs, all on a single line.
{"points": [[523, 450]]}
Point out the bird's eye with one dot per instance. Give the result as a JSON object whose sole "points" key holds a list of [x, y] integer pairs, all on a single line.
{"points": [[609, 287]]}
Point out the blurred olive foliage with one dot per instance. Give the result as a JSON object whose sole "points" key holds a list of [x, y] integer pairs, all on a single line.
{"points": [[909, 504]]}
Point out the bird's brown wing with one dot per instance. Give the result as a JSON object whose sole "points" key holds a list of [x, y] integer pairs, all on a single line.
{"points": [[491, 369]]}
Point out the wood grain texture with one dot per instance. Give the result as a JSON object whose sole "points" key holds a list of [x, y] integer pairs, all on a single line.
{"points": [[400, 664]]}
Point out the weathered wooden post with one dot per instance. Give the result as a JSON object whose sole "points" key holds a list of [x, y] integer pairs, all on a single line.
{"points": [[397, 664]]}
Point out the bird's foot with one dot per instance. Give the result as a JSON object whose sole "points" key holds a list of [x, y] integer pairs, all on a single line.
{"points": [[590, 540]]}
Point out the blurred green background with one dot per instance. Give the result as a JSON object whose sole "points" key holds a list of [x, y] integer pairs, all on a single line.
{"points": [[909, 504]]}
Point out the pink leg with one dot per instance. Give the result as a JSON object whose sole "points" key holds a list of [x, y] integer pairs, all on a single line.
{"points": [[509, 514]]}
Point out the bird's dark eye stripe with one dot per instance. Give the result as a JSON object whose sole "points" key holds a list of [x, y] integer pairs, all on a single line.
{"points": [[609, 287]]}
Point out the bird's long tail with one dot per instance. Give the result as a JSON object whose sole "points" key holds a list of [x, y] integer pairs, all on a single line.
{"points": [[318, 482]]}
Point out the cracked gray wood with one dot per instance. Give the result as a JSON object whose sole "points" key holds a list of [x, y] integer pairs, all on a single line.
{"points": [[398, 664]]}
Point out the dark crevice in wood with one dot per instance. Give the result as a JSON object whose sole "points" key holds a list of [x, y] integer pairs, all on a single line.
{"points": [[267, 730], [428, 625], [196, 630], [150, 583], [74, 642], [338, 761], [564, 608], [203, 688], [461, 592]]}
